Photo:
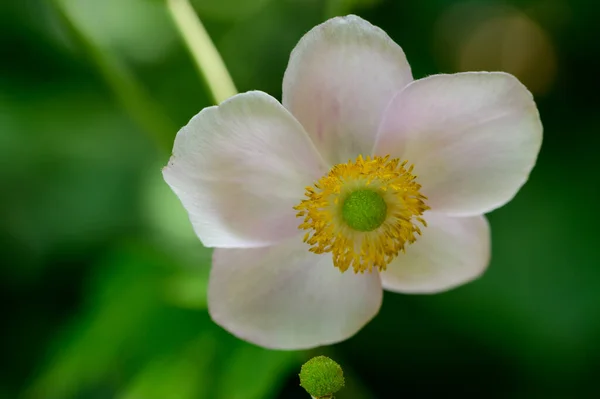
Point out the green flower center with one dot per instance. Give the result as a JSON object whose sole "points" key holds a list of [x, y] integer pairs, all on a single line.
{"points": [[364, 210]]}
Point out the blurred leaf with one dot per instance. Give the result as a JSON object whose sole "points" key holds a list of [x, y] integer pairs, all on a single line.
{"points": [[228, 9], [214, 366], [127, 333], [335, 8], [132, 95], [189, 289], [74, 162], [124, 324], [185, 374], [138, 30], [255, 373]]}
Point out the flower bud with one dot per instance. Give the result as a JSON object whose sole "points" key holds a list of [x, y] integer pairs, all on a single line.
{"points": [[321, 377]]}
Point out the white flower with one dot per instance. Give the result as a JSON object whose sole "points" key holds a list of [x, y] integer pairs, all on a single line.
{"points": [[335, 161]]}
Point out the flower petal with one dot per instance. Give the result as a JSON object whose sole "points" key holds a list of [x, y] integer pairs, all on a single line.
{"points": [[452, 251], [285, 297], [473, 138], [339, 79], [239, 169]]}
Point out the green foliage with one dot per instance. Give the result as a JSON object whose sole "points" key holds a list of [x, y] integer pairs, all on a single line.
{"points": [[130, 332], [343, 7], [110, 24], [228, 9]]}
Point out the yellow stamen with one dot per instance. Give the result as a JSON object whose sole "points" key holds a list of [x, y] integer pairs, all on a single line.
{"points": [[328, 231]]}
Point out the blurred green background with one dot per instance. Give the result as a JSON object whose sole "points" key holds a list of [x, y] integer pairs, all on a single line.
{"points": [[103, 282]]}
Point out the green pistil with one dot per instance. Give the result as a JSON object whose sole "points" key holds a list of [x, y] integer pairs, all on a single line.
{"points": [[364, 210]]}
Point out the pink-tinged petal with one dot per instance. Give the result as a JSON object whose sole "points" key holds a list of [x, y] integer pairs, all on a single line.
{"points": [[285, 297], [473, 138], [240, 168], [452, 251], [339, 79]]}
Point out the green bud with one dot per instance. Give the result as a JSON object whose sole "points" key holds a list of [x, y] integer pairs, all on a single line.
{"points": [[321, 377]]}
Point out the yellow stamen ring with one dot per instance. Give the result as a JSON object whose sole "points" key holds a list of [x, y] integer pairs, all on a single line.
{"points": [[363, 212]]}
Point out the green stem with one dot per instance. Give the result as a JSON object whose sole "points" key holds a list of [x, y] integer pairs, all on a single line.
{"points": [[208, 60], [130, 93]]}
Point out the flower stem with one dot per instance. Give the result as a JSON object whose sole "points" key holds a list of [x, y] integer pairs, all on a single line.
{"points": [[205, 54], [130, 93]]}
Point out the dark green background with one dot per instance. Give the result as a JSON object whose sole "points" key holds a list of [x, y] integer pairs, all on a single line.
{"points": [[103, 284]]}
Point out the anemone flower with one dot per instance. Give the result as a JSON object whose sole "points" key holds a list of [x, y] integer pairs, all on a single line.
{"points": [[361, 179]]}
